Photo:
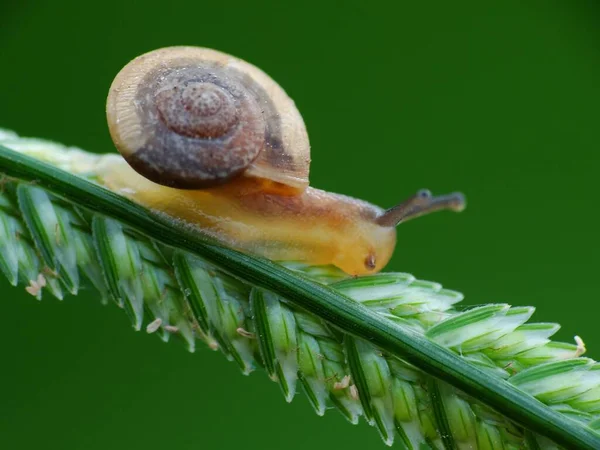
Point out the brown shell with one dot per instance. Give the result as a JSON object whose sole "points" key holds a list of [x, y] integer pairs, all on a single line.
{"points": [[191, 117]]}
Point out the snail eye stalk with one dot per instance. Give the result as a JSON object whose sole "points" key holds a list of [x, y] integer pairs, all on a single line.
{"points": [[420, 204]]}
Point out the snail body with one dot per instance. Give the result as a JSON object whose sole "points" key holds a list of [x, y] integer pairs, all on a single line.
{"points": [[314, 226], [211, 140]]}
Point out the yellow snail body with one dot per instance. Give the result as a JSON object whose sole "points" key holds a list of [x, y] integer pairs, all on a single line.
{"points": [[211, 140]]}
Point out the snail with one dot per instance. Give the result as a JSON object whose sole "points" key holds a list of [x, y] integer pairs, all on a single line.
{"points": [[211, 140]]}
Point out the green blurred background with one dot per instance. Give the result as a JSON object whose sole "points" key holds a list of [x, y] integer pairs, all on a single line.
{"points": [[500, 101]]}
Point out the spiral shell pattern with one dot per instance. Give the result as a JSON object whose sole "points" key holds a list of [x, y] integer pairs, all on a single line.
{"points": [[192, 118]]}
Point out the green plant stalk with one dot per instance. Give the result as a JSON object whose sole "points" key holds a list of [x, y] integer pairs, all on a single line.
{"points": [[337, 309]]}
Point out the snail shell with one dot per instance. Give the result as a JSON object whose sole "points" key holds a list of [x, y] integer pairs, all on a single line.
{"points": [[191, 118]]}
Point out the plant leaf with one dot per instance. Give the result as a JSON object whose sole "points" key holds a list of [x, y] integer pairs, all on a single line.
{"points": [[369, 350]]}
